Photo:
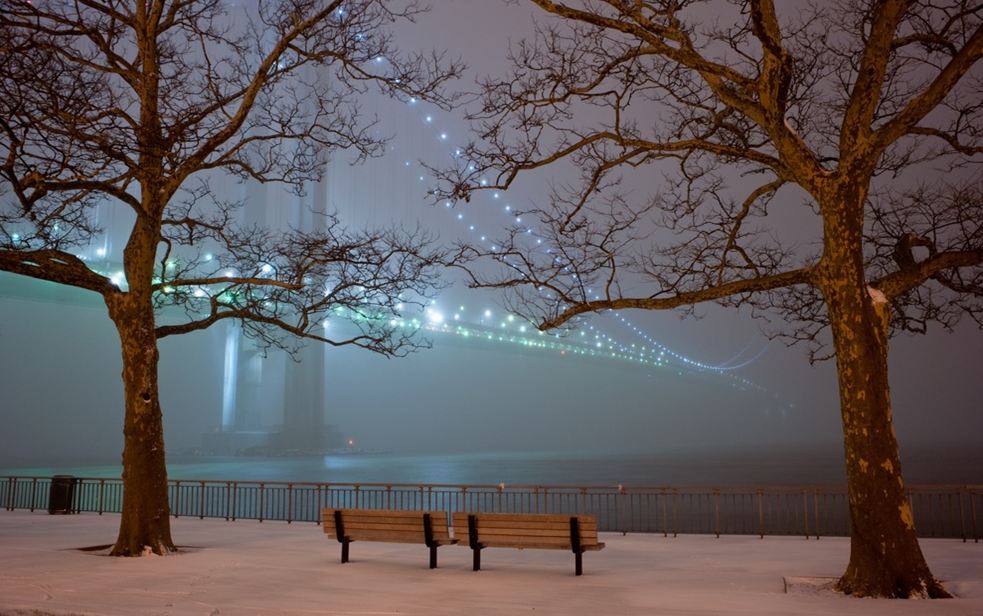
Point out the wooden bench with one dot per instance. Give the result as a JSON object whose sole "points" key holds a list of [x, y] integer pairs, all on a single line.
{"points": [[347, 525], [547, 531]]}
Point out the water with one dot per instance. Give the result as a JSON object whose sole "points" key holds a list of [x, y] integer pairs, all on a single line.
{"points": [[539, 468]]}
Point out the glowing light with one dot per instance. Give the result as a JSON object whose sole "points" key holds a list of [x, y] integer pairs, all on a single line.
{"points": [[100, 252], [435, 316]]}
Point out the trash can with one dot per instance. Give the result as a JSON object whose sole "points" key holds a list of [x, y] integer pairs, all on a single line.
{"points": [[61, 496]]}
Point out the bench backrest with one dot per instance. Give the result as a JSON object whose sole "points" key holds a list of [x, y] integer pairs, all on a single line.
{"points": [[386, 525], [540, 530]]}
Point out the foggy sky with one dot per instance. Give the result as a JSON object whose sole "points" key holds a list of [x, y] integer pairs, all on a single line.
{"points": [[61, 395]]}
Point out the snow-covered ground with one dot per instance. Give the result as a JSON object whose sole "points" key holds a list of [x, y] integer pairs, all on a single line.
{"points": [[253, 568]]}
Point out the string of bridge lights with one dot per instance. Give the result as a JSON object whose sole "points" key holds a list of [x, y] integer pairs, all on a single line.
{"points": [[652, 353], [487, 326]]}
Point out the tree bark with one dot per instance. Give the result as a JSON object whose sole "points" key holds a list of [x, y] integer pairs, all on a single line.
{"points": [[885, 558], [145, 520]]}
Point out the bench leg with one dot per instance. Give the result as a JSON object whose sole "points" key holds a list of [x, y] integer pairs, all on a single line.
{"points": [[476, 553], [344, 551], [580, 563], [433, 557]]}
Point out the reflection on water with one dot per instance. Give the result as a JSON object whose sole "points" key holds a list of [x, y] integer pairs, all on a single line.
{"points": [[525, 468]]}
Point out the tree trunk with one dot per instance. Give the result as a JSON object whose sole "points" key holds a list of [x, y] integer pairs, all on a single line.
{"points": [[145, 520], [885, 558]]}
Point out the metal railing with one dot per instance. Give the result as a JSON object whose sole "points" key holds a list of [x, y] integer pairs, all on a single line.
{"points": [[806, 510]]}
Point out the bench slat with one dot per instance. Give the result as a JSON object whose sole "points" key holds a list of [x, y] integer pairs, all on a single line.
{"points": [[378, 519], [353, 524], [386, 513], [531, 532], [534, 545], [537, 526], [394, 537], [362, 533], [530, 517], [527, 518]]}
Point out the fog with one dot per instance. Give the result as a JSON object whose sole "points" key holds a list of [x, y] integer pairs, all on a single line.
{"points": [[61, 395]]}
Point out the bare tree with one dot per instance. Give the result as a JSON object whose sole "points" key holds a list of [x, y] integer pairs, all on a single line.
{"points": [[869, 112], [137, 103]]}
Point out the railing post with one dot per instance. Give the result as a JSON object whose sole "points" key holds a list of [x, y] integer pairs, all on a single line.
{"points": [[805, 513], [962, 516], [665, 514], [76, 493], [235, 499], [761, 515], [34, 490], [618, 497], [972, 511], [10, 493], [102, 490], [262, 501], [201, 501], [911, 504], [290, 503], [815, 505], [675, 511], [228, 499], [177, 498], [716, 511]]}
